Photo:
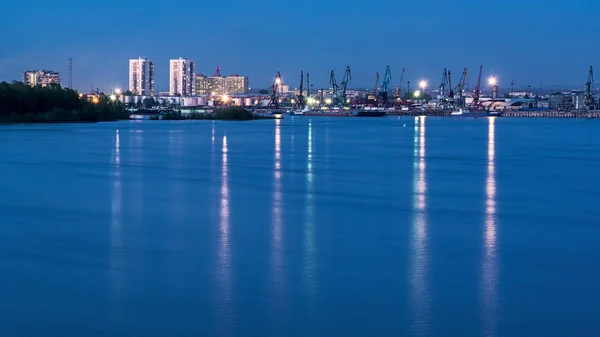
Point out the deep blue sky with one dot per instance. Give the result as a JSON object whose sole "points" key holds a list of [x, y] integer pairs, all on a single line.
{"points": [[534, 41]]}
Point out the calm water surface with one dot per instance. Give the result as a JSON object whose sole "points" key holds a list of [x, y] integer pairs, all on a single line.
{"points": [[301, 227]]}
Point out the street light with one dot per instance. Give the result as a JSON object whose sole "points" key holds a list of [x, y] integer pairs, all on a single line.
{"points": [[417, 94], [493, 82], [113, 97], [117, 91], [423, 85]]}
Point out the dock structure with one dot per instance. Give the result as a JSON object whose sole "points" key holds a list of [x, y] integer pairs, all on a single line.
{"points": [[513, 114], [554, 114]]}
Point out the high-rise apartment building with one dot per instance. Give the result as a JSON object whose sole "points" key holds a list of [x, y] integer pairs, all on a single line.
{"points": [[182, 77], [141, 77], [221, 85], [41, 77]]}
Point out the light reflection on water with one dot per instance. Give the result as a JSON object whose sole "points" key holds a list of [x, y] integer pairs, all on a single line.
{"points": [[420, 301], [489, 277], [116, 231], [277, 273], [224, 277], [310, 264]]}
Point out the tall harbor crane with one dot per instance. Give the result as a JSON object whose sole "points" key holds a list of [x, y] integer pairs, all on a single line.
{"points": [[401, 82], [334, 85], [385, 84], [460, 87], [307, 86], [476, 93], [588, 99], [372, 97], [344, 86], [444, 83], [301, 102], [274, 102], [451, 91]]}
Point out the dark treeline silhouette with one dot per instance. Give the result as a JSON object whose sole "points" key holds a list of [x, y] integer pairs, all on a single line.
{"points": [[25, 104]]}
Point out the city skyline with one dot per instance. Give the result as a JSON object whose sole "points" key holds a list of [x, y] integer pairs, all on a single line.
{"points": [[530, 43]]}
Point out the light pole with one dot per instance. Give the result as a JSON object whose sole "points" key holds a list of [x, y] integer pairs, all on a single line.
{"points": [[423, 85], [512, 88], [493, 82]]}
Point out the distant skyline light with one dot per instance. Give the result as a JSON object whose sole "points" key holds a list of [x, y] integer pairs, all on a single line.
{"points": [[533, 43]]}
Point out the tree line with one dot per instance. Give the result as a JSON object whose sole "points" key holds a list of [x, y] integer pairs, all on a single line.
{"points": [[20, 102]]}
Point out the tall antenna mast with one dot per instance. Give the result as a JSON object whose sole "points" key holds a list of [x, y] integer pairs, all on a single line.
{"points": [[70, 73]]}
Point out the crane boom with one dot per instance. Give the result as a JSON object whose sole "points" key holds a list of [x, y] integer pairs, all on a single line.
{"points": [[401, 81], [334, 84], [587, 98], [300, 102], [385, 84], [307, 85], [451, 93], [344, 84], [274, 90], [477, 90], [444, 83], [376, 87]]}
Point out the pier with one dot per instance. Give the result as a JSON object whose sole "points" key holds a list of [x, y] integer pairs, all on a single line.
{"points": [[514, 114]]}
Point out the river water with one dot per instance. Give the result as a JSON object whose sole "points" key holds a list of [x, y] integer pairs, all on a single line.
{"points": [[301, 227]]}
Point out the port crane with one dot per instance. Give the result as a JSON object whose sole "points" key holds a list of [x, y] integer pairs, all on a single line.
{"points": [[588, 99], [334, 85], [274, 90], [301, 103], [307, 86], [476, 93], [462, 83], [385, 84], [376, 87], [451, 92], [444, 83], [401, 81], [341, 99]]}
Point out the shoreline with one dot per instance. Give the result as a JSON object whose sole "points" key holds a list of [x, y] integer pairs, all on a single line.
{"points": [[508, 114]]}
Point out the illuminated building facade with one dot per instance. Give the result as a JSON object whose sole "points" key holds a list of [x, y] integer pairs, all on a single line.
{"points": [[42, 78], [141, 77], [182, 79], [221, 85]]}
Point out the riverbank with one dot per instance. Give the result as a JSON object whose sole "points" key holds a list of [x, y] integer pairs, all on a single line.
{"points": [[225, 114], [21, 103]]}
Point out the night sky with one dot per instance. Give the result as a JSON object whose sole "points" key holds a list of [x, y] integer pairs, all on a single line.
{"points": [[537, 42]]}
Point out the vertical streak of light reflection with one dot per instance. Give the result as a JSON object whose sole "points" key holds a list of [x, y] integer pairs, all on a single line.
{"points": [[116, 235], [420, 301], [224, 273], [489, 277], [277, 275], [310, 267]]}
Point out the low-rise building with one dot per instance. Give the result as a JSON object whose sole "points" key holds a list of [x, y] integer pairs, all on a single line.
{"points": [[42, 78]]}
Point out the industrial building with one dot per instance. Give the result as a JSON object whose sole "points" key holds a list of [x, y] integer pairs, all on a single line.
{"points": [[182, 79], [42, 78], [221, 85], [141, 77]]}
